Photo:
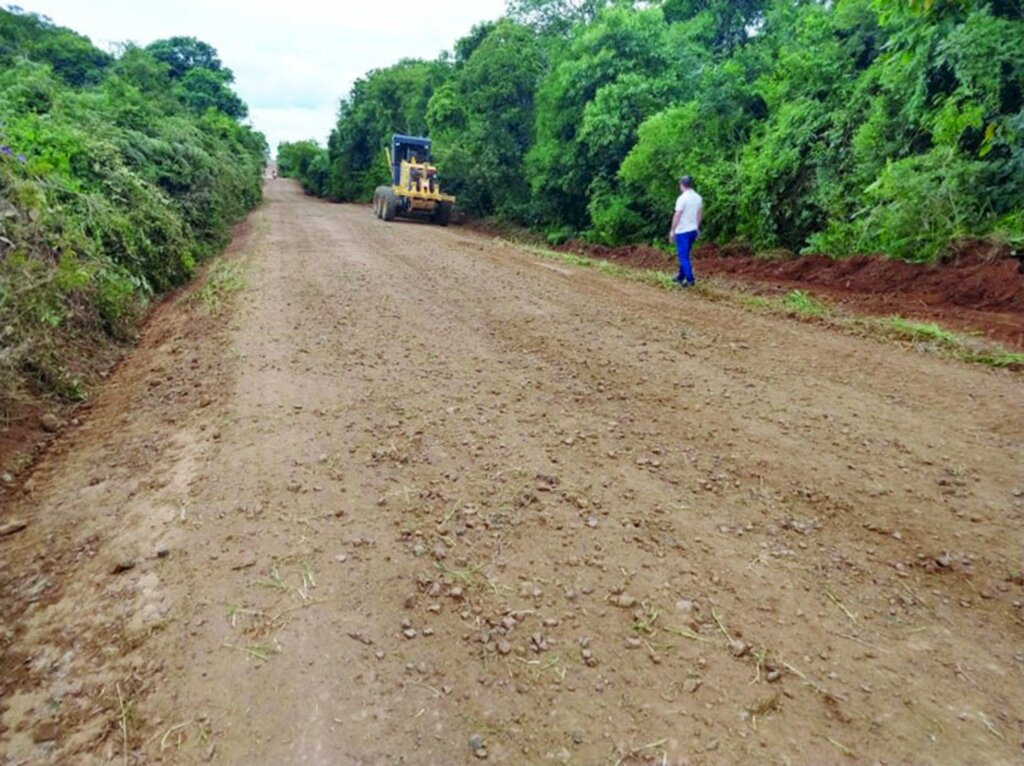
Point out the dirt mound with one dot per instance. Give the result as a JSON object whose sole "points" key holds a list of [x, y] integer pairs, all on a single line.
{"points": [[968, 281], [978, 285]]}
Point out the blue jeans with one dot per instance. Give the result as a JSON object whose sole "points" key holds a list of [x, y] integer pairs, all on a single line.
{"points": [[683, 244]]}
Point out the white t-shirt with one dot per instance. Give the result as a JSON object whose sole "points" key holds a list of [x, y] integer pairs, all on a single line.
{"points": [[689, 204]]}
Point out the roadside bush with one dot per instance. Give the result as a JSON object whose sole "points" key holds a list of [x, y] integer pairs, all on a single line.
{"points": [[807, 125], [112, 189], [913, 210]]}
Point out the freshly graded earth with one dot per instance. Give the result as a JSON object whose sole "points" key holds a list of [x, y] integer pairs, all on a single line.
{"points": [[409, 496]]}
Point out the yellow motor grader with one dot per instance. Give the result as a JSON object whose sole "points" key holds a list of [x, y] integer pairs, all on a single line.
{"points": [[415, 190]]}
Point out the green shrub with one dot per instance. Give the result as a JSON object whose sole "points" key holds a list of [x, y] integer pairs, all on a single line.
{"points": [[112, 188]]}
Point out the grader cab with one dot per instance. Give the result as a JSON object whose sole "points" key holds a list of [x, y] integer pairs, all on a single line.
{"points": [[415, 190]]}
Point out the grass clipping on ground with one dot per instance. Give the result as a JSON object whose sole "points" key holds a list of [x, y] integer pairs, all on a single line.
{"points": [[924, 336]]}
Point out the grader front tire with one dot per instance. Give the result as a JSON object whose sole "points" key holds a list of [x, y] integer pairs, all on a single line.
{"points": [[443, 213]]}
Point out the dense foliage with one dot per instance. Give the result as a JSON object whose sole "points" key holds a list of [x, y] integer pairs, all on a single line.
{"points": [[118, 174], [843, 126]]}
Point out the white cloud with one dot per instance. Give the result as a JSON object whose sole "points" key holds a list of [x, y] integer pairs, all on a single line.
{"points": [[292, 61]]}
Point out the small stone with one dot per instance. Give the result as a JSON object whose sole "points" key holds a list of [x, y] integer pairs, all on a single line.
{"points": [[623, 601], [410, 633], [162, 553], [12, 527], [944, 560], [476, 743], [692, 684], [481, 753], [577, 738], [774, 675], [45, 732], [685, 605], [504, 647], [341, 558], [456, 593], [50, 423], [123, 566], [739, 648], [632, 642]]}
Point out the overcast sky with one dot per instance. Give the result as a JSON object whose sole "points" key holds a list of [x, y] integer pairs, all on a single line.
{"points": [[292, 60]]}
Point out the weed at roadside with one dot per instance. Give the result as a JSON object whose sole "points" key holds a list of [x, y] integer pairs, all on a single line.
{"points": [[801, 304], [223, 280], [921, 331]]}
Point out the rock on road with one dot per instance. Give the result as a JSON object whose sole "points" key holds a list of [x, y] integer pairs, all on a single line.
{"points": [[414, 496]]}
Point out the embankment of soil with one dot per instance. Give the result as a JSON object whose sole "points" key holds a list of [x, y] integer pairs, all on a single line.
{"points": [[979, 287]]}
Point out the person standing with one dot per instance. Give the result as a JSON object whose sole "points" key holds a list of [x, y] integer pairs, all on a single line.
{"points": [[686, 227]]}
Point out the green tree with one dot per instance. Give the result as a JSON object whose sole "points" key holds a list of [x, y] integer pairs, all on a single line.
{"points": [[731, 21], [621, 42], [385, 101], [183, 54], [482, 120], [554, 17], [72, 56], [202, 89]]}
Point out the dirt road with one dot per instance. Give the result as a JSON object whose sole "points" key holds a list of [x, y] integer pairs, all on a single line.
{"points": [[416, 497]]}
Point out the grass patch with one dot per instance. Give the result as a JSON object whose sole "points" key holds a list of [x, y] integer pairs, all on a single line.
{"points": [[921, 331], [755, 301], [965, 347], [223, 280], [1006, 360], [802, 304]]}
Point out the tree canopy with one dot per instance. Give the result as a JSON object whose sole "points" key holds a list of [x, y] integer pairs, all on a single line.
{"points": [[118, 174], [842, 126]]}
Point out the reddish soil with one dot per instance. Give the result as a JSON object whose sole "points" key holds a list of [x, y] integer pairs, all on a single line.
{"points": [[979, 288]]}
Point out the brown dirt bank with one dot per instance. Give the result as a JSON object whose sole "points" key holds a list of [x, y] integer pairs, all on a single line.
{"points": [[977, 289]]}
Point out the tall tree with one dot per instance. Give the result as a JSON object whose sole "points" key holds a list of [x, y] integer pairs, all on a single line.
{"points": [[482, 120], [183, 54]]}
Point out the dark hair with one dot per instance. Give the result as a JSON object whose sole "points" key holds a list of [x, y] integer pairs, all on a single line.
{"points": [[686, 181]]}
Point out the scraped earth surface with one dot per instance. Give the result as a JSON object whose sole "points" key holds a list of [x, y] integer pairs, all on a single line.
{"points": [[415, 497], [978, 289]]}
